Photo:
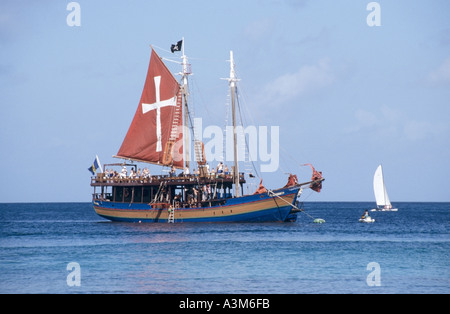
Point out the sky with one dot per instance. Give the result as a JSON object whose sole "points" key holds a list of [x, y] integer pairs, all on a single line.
{"points": [[346, 96]]}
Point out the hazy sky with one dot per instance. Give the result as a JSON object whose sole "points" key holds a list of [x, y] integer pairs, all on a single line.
{"points": [[345, 95]]}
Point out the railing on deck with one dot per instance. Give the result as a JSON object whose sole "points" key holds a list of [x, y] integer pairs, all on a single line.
{"points": [[156, 179]]}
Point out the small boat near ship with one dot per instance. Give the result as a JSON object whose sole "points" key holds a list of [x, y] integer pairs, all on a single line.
{"points": [[159, 134], [366, 219], [381, 196]]}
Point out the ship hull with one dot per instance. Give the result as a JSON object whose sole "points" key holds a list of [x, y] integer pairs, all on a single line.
{"points": [[250, 208]]}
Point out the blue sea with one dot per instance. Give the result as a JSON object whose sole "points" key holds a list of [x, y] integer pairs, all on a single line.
{"points": [[67, 248]]}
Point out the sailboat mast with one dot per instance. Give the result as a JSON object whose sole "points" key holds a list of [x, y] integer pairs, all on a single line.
{"points": [[232, 81], [185, 74], [382, 182]]}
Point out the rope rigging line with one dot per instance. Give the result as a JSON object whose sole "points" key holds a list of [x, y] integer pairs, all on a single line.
{"points": [[272, 194]]}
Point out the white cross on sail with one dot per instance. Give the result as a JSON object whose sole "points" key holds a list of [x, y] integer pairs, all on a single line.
{"points": [[158, 105]]}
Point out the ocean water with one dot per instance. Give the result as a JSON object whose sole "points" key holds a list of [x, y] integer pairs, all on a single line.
{"points": [[402, 252]]}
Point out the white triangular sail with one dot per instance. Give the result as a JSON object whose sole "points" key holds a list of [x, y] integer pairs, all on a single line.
{"points": [[379, 189]]}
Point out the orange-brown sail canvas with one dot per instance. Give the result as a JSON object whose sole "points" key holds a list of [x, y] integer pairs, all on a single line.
{"points": [[155, 134]]}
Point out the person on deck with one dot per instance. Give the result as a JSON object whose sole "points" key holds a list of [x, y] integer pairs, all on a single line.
{"points": [[146, 174], [123, 173], [226, 170], [204, 193]]}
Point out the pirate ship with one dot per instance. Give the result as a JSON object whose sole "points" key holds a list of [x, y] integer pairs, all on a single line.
{"points": [[159, 134]]}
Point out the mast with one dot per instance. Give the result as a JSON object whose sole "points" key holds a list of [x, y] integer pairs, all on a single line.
{"points": [[232, 81], [184, 74]]}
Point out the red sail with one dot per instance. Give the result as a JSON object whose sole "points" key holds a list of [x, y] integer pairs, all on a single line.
{"points": [[155, 134]]}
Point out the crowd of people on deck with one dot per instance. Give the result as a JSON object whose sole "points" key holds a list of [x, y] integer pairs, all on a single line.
{"points": [[123, 174], [192, 195], [220, 171]]}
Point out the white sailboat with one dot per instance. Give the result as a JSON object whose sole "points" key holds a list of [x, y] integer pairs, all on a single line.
{"points": [[379, 189]]}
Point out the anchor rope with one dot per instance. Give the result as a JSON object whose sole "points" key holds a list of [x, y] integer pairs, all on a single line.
{"points": [[272, 194]]}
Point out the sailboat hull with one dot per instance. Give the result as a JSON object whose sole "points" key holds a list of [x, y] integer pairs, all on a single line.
{"points": [[384, 210], [250, 208]]}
